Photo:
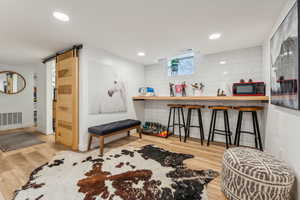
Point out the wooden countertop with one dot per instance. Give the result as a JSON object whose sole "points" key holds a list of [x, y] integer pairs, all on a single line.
{"points": [[203, 98]]}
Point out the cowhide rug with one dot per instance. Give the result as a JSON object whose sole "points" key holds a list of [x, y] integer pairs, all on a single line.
{"points": [[147, 173]]}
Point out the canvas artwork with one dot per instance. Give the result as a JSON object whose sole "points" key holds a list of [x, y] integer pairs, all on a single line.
{"points": [[285, 62], [107, 90]]}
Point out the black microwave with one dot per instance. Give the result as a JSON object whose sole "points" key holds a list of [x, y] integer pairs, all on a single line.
{"points": [[249, 89]]}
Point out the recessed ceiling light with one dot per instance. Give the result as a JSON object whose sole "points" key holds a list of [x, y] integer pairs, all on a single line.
{"points": [[215, 36], [61, 16], [223, 62], [141, 54]]}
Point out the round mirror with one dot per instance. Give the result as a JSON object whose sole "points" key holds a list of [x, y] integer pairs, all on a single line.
{"points": [[11, 82]]}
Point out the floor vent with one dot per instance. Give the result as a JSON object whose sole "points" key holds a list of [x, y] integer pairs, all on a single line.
{"points": [[13, 118]]}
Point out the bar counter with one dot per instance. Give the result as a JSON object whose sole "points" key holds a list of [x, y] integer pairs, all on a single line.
{"points": [[264, 99], [155, 109]]}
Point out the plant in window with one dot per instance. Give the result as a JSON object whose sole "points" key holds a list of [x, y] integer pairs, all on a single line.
{"points": [[181, 65], [174, 66]]}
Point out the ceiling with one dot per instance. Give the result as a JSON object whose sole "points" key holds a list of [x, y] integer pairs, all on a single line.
{"points": [[160, 28]]}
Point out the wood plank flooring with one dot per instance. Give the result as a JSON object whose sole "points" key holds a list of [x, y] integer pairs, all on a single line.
{"points": [[16, 166]]}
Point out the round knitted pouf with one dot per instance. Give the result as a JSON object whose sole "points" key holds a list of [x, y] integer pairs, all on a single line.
{"points": [[249, 174]]}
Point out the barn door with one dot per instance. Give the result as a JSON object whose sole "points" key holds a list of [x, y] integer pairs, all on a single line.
{"points": [[67, 99]]}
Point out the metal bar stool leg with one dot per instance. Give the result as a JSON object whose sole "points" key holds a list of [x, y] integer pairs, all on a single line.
{"points": [[179, 124], [169, 120], [258, 132], [186, 126], [201, 126], [188, 123], [174, 115], [191, 113], [228, 127], [254, 129], [210, 127], [183, 120], [239, 132], [237, 128], [214, 126]]}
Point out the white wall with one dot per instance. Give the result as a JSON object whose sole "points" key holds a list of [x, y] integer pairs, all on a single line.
{"points": [[283, 125], [134, 77], [241, 63], [22, 102], [44, 98]]}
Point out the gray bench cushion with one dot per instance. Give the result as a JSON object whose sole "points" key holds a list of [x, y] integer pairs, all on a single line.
{"points": [[105, 129]]}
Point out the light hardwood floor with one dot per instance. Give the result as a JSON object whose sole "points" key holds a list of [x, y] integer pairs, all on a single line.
{"points": [[16, 166]]}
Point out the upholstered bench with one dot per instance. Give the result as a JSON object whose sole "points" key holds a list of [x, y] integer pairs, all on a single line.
{"points": [[249, 174], [113, 128]]}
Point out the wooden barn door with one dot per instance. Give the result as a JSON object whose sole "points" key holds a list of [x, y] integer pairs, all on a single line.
{"points": [[67, 99]]}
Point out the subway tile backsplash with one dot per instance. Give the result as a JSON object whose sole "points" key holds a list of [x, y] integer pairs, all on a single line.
{"points": [[241, 64]]}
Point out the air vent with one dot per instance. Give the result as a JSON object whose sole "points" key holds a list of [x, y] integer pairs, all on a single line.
{"points": [[12, 118]]}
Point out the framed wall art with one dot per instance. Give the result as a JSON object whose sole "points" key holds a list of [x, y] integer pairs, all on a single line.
{"points": [[284, 49]]}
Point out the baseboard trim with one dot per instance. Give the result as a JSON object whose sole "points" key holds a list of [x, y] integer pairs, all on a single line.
{"points": [[17, 129]]}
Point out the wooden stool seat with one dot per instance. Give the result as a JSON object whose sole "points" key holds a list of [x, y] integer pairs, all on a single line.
{"points": [[176, 105], [248, 108], [220, 107], [194, 106]]}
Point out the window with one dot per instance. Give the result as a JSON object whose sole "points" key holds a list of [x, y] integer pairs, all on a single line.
{"points": [[181, 65]]}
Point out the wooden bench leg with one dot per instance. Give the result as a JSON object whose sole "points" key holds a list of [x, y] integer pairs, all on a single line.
{"points": [[139, 130], [90, 142], [101, 138]]}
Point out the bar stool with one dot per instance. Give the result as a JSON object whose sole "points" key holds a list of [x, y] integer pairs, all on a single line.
{"points": [[212, 130], [179, 108], [189, 118], [256, 133]]}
